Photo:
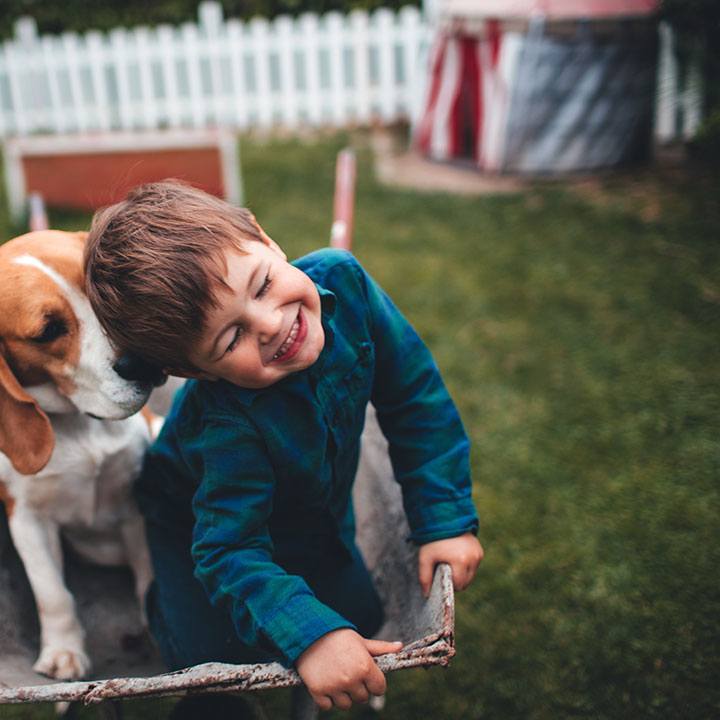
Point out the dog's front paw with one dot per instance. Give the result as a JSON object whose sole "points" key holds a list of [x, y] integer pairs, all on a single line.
{"points": [[62, 663]]}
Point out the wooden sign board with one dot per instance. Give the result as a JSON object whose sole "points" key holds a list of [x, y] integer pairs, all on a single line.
{"points": [[90, 171]]}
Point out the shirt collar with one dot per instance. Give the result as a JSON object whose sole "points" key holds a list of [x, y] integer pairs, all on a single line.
{"points": [[328, 301]]}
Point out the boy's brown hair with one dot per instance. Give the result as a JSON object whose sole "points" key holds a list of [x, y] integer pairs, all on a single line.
{"points": [[154, 263]]}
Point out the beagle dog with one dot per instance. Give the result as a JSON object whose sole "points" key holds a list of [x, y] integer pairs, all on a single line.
{"points": [[70, 441]]}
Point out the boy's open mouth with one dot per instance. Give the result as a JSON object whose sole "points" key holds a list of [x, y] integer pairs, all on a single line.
{"points": [[293, 342]]}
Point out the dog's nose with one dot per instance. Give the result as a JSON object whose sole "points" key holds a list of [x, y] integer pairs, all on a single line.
{"points": [[131, 367]]}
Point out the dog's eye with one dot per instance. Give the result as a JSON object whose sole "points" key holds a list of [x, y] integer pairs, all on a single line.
{"points": [[54, 328]]}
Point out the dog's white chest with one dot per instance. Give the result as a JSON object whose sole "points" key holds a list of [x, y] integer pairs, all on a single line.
{"points": [[88, 481]]}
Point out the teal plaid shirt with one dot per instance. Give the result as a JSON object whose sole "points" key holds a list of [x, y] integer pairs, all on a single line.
{"points": [[262, 478]]}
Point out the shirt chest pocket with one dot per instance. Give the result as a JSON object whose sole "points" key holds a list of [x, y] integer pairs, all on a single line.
{"points": [[346, 398], [357, 382]]}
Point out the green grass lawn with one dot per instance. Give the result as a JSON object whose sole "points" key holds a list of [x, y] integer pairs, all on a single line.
{"points": [[578, 332]]}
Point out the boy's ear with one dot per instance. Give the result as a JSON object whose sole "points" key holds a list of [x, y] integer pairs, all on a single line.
{"points": [[267, 239]]}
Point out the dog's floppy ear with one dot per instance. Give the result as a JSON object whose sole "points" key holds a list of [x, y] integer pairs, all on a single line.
{"points": [[26, 435]]}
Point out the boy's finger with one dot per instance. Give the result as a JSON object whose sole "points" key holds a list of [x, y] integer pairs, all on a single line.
{"points": [[381, 647], [342, 701], [360, 694], [375, 681], [323, 701], [460, 581], [425, 573], [463, 575]]}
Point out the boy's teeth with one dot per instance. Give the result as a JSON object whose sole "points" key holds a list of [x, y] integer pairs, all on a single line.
{"points": [[288, 341]]}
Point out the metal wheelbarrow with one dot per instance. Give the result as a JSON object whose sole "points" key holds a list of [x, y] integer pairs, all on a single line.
{"points": [[126, 667]]}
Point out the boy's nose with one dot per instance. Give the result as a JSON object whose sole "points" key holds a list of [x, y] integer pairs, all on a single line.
{"points": [[268, 325]]}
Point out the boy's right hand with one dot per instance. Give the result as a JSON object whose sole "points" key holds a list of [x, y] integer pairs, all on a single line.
{"points": [[338, 668]]}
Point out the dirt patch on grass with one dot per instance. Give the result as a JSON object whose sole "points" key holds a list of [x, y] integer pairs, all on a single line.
{"points": [[398, 166], [647, 191]]}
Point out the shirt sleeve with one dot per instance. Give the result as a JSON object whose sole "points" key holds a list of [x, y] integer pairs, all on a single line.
{"points": [[429, 449], [232, 548]]}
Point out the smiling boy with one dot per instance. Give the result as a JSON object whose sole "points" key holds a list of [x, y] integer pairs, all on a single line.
{"points": [[247, 489], [289, 334]]}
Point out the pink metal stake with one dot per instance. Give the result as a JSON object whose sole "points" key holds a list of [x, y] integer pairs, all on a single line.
{"points": [[344, 207]]}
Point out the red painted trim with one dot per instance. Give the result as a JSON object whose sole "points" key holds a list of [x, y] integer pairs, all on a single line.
{"points": [[424, 132], [493, 35]]}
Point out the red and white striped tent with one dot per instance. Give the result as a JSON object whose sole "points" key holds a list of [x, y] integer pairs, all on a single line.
{"points": [[540, 86]]}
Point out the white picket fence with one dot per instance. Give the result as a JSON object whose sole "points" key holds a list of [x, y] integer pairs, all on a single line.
{"points": [[330, 70], [678, 103]]}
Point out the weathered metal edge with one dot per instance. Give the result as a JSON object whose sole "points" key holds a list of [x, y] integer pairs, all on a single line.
{"points": [[439, 653], [434, 649], [211, 677]]}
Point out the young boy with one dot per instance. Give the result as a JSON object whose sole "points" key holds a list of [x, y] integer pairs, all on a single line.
{"points": [[247, 489]]}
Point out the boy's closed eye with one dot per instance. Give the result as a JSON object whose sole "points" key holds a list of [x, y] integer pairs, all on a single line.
{"points": [[264, 287], [239, 330], [236, 339]]}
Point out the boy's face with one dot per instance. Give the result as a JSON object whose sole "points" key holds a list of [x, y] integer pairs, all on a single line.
{"points": [[267, 326]]}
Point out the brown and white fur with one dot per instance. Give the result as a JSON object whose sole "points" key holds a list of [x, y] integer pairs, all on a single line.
{"points": [[70, 443]]}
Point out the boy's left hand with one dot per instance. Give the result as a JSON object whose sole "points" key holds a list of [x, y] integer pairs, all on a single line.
{"points": [[463, 553]]}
